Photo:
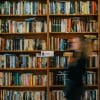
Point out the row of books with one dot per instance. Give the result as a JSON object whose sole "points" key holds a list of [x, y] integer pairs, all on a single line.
{"points": [[73, 24], [56, 7], [57, 95], [91, 94], [60, 77], [23, 95], [57, 43], [34, 61], [58, 62], [92, 60], [73, 7], [25, 26], [93, 44], [23, 7], [90, 78], [61, 44], [41, 95], [20, 43], [22, 61], [22, 79]]}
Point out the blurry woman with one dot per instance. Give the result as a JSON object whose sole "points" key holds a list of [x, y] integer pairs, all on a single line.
{"points": [[74, 88]]}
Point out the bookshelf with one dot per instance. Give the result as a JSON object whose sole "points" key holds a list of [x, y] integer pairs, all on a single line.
{"points": [[28, 27]]}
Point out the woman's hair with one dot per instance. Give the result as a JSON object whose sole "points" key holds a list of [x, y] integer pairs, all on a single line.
{"points": [[83, 44]]}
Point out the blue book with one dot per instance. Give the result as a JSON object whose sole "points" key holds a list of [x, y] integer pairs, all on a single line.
{"points": [[10, 95], [51, 8], [61, 45], [35, 7], [62, 7], [23, 61]]}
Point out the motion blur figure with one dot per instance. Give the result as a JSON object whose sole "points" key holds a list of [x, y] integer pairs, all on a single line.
{"points": [[74, 89]]}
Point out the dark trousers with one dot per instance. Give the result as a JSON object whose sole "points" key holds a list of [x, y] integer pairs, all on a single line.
{"points": [[75, 94], [73, 91]]}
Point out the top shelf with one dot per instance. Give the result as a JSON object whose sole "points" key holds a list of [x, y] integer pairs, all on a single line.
{"points": [[72, 15], [11, 15], [50, 15]]}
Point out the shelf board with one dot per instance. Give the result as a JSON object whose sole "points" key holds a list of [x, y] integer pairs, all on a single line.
{"points": [[24, 87], [91, 87], [19, 51], [62, 51], [57, 87], [36, 33], [75, 33], [33, 15], [72, 15], [25, 70], [30, 33], [45, 33], [22, 69], [92, 68], [44, 15], [56, 69]]}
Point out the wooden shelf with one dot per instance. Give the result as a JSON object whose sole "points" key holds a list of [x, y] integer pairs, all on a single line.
{"points": [[28, 33], [72, 15], [11, 15], [19, 51], [24, 88], [57, 87], [46, 22], [74, 33], [25, 70], [92, 68], [56, 69], [91, 87]]}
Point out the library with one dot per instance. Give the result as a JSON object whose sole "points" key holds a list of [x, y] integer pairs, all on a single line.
{"points": [[35, 47]]}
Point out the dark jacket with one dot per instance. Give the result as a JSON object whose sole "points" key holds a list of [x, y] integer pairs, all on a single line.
{"points": [[75, 73], [77, 69]]}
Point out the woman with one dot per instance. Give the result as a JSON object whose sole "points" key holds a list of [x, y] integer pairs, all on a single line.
{"points": [[75, 69]]}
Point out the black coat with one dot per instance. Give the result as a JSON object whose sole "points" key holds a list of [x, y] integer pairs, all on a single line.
{"points": [[75, 70]]}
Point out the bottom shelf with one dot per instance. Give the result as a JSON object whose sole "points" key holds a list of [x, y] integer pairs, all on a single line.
{"points": [[88, 95], [23, 95], [40, 93]]}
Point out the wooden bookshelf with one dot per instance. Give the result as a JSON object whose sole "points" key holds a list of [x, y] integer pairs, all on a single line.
{"points": [[28, 27]]}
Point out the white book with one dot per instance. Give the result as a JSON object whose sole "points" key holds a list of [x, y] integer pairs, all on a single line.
{"points": [[58, 7], [27, 27], [26, 7], [1, 78], [14, 8], [13, 26], [0, 25], [19, 27], [31, 7], [45, 26], [4, 57], [63, 25], [25, 44], [38, 26], [33, 62], [19, 8], [30, 41], [67, 9], [37, 95]]}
